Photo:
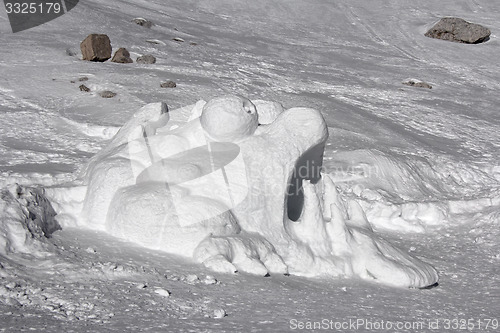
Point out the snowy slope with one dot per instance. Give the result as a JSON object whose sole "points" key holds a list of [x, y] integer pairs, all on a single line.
{"points": [[422, 162]]}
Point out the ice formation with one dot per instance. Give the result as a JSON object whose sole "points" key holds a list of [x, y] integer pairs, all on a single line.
{"points": [[27, 220], [215, 183]]}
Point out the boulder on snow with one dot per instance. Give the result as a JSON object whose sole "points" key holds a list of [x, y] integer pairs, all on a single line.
{"points": [[142, 22], [168, 84], [122, 56], [146, 59], [107, 94], [96, 47], [417, 83], [458, 30], [84, 88]]}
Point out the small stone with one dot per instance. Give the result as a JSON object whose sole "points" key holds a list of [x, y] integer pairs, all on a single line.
{"points": [[141, 285], [417, 83], [178, 39], [168, 84], [107, 94], [83, 78], [220, 313], [143, 22], [71, 52], [146, 59], [96, 47], [122, 56], [89, 249]]}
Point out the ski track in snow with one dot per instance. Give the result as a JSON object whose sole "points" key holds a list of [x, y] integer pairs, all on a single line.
{"points": [[437, 149]]}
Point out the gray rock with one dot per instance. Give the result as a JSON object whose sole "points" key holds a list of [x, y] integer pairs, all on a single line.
{"points": [[417, 83], [72, 52], [122, 56], [143, 22], [146, 59], [107, 94], [96, 47], [458, 30], [168, 84]]}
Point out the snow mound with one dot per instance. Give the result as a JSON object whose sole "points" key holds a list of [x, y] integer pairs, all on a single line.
{"points": [[237, 196]]}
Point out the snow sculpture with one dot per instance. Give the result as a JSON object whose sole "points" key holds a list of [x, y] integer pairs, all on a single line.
{"points": [[237, 195]]}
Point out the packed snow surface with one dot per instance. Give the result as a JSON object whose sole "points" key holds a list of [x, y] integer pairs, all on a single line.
{"points": [[416, 170]]}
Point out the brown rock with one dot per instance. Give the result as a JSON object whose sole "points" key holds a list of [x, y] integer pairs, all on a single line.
{"points": [[122, 56], [96, 47], [84, 88]]}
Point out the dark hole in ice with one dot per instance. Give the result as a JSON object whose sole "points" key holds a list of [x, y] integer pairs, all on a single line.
{"points": [[308, 167]]}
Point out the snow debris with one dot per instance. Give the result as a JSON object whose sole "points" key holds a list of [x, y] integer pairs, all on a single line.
{"points": [[162, 292], [192, 279], [90, 250], [209, 280], [142, 22], [141, 285], [220, 313]]}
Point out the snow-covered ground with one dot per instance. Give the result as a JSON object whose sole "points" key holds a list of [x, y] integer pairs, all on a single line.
{"points": [[423, 163]]}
